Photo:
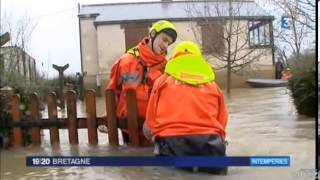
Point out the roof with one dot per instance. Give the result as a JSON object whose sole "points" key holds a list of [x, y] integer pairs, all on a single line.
{"points": [[4, 38], [5, 49], [115, 13]]}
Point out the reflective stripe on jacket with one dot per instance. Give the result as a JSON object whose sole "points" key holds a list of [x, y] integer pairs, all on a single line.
{"points": [[177, 108]]}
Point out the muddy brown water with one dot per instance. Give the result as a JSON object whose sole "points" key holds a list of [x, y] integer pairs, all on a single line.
{"points": [[262, 121]]}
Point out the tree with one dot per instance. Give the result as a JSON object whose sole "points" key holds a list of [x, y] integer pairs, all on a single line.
{"points": [[20, 31], [306, 9], [302, 26], [301, 52], [227, 38], [303, 83]]}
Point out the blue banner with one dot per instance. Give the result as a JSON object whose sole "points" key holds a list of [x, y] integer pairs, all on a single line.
{"points": [[188, 161], [264, 161]]}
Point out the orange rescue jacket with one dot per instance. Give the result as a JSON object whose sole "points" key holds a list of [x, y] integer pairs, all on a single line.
{"points": [[138, 71], [286, 75], [176, 108]]}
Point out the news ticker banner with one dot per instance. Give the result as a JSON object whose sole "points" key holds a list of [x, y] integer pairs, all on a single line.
{"points": [[188, 161]]}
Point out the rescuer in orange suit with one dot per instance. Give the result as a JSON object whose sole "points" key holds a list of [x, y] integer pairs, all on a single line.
{"points": [[139, 67], [186, 114], [286, 74]]}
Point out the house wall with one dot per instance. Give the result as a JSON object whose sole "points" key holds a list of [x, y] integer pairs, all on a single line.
{"points": [[264, 53], [239, 80], [103, 45], [89, 51], [111, 45]]}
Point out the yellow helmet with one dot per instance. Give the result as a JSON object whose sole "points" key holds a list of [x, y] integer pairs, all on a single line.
{"points": [[166, 27], [188, 65], [186, 47]]}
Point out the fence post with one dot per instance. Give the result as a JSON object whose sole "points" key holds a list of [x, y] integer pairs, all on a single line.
{"points": [[91, 116], [53, 115], [111, 118], [16, 117], [132, 117], [35, 117], [72, 117]]}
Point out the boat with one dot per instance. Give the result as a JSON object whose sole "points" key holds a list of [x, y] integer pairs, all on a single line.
{"points": [[267, 82]]}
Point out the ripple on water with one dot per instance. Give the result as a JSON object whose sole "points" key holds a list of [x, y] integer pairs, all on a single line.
{"points": [[261, 122]]}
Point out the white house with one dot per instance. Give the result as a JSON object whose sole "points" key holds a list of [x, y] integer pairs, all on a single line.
{"points": [[15, 60], [108, 30]]}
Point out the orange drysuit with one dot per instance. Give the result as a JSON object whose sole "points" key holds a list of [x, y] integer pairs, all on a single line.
{"points": [[286, 75], [177, 109], [136, 70]]}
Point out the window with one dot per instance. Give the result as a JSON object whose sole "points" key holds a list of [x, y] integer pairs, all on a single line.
{"points": [[259, 34]]}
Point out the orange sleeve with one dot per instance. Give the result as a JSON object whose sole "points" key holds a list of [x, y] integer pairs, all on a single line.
{"points": [[114, 81], [151, 108], [149, 122], [123, 65], [153, 101]]}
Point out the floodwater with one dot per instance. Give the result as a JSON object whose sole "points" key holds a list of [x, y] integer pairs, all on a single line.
{"points": [[262, 122]]}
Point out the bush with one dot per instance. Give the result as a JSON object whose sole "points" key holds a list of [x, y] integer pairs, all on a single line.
{"points": [[5, 119], [19, 86], [5, 133], [303, 83], [24, 88]]}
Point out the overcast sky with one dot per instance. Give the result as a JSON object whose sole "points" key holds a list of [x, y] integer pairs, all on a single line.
{"points": [[55, 39]]}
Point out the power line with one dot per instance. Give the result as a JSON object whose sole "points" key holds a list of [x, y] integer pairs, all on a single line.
{"points": [[54, 13]]}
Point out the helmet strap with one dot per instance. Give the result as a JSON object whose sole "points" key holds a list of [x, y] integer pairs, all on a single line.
{"points": [[152, 41], [153, 38]]}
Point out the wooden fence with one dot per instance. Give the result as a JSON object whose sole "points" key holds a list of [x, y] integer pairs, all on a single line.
{"points": [[72, 122]]}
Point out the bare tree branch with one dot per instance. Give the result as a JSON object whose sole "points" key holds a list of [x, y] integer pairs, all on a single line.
{"points": [[230, 45], [20, 31]]}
